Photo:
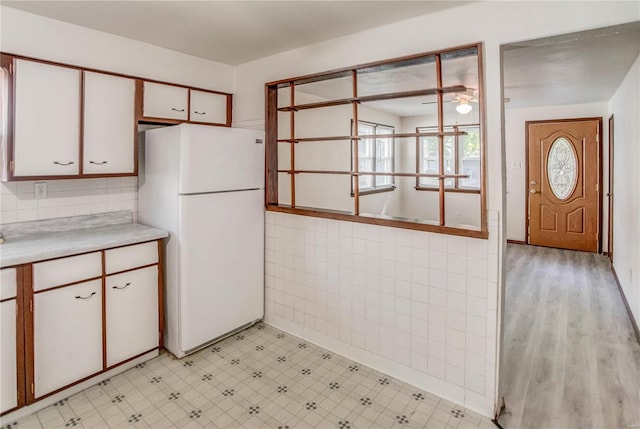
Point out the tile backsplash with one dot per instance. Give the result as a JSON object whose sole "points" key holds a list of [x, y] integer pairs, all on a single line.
{"points": [[70, 197]]}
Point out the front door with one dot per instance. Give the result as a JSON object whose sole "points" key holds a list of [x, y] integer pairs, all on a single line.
{"points": [[563, 173]]}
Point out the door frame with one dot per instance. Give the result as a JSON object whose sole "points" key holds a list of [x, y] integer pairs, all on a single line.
{"points": [[526, 172], [610, 195]]}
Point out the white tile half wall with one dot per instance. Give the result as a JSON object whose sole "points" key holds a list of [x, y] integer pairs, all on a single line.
{"points": [[419, 306], [70, 197]]}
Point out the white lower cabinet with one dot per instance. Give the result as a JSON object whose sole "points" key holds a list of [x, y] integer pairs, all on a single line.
{"points": [[67, 335], [8, 340], [131, 313], [8, 364]]}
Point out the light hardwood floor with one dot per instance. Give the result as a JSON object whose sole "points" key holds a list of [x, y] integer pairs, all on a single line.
{"points": [[571, 359]]}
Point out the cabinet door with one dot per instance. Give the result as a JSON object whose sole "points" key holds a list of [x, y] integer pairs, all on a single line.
{"points": [[8, 363], [132, 314], [67, 335], [47, 120], [208, 107], [109, 124], [165, 101]]}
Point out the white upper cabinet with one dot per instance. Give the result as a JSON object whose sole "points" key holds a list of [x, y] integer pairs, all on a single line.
{"points": [[47, 120], [208, 107], [165, 101], [109, 124]]}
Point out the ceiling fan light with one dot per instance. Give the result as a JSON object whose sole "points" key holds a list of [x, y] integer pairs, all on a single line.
{"points": [[463, 107]]}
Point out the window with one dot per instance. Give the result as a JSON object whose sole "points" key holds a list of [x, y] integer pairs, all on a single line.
{"points": [[375, 155], [338, 141], [461, 157]]}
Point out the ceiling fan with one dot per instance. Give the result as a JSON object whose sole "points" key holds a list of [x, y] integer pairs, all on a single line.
{"points": [[463, 100]]}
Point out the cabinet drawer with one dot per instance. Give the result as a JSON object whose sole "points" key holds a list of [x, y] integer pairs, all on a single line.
{"points": [[208, 107], [165, 101], [8, 283], [66, 270], [126, 258], [132, 313], [67, 337]]}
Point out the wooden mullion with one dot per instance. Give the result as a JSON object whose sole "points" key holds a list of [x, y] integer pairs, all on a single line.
{"points": [[376, 97], [356, 142], [374, 173], [440, 139], [271, 146], [316, 139], [292, 131]]}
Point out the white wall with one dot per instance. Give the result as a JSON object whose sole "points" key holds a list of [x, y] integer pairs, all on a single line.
{"points": [[35, 36], [515, 157], [625, 106], [493, 23]]}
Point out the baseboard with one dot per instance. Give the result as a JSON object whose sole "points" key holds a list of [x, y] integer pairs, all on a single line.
{"points": [[626, 305], [516, 242]]}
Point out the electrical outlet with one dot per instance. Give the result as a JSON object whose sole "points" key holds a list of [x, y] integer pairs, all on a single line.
{"points": [[40, 189]]}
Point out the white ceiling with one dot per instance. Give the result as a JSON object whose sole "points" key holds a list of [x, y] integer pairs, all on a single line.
{"points": [[573, 68], [231, 32], [568, 69]]}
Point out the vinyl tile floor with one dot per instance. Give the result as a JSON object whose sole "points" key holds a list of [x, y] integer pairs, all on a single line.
{"points": [[258, 378]]}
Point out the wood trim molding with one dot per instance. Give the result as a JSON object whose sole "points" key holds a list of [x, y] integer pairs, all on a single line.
{"points": [[610, 193], [161, 265], [626, 304], [382, 222], [20, 336], [516, 242], [80, 67], [29, 354]]}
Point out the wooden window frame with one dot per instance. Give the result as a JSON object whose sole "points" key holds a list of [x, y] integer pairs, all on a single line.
{"points": [[456, 159], [273, 170]]}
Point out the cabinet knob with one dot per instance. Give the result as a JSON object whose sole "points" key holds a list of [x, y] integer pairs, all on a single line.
{"points": [[177, 110], [199, 113], [86, 297], [63, 163], [98, 162]]}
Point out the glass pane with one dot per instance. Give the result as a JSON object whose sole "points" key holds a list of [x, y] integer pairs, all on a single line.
{"points": [[460, 68], [409, 75], [462, 210], [429, 159], [324, 90], [562, 168], [332, 121], [324, 191], [469, 157]]}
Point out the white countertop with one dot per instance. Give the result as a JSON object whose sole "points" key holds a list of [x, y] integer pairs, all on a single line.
{"points": [[26, 248]]}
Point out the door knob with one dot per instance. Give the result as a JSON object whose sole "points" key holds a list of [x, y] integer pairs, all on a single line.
{"points": [[533, 182], [533, 191]]}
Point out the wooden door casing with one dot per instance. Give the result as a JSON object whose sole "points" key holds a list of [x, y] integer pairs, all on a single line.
{"points": [[572, 222]]}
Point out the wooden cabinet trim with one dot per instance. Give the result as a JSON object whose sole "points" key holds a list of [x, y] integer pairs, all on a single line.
{"points": [[82, 68], [29, 355], [25, 352], [130, 269], [7, 62]]}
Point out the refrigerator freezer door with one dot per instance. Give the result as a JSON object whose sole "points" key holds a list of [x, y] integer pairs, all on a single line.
{"points": [[221, 264], [216, 159]]}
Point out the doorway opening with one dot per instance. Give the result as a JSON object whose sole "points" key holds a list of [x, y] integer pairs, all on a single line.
{"points": [[569, 356]]}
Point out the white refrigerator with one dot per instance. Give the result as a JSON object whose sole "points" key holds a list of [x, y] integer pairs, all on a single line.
{"points": [[205, 185]]}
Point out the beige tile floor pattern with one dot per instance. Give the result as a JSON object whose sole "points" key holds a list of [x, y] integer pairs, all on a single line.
{"points": [[259, 378]]}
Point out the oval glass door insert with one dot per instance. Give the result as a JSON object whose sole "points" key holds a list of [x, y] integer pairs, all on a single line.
{"points": [[562, 168]]}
